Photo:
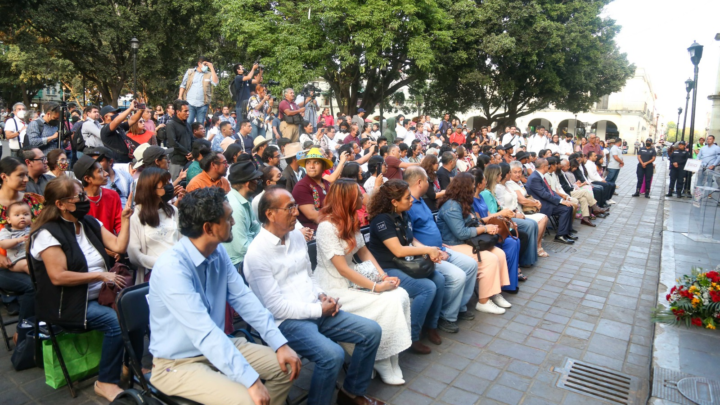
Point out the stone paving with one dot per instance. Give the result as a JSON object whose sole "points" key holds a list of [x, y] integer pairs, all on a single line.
{"points": [[591, 302]]}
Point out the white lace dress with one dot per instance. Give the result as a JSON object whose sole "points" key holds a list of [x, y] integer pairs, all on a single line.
{"points": [[390, 309]]}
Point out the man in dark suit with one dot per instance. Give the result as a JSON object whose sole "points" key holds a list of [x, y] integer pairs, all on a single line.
{"points": [[552, 204], [293, 172]]}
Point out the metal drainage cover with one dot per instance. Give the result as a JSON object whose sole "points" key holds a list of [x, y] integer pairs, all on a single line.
{"points": [[598, 382], [700, 390], [556, 247]]}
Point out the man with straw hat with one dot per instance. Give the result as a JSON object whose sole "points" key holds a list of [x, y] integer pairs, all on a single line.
{"points": [[309, 193]]}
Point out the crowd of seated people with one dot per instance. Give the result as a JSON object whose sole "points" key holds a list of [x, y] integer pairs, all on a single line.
{"points": [[222, 230]]}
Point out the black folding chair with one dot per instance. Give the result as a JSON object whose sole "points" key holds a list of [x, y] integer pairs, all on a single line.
{"points": [[134, 317], [4, 323]]}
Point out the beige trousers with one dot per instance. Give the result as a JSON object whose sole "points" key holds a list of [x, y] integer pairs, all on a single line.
{"points": [[492, 270], [586, 200], [291, 132], [196, 379]]}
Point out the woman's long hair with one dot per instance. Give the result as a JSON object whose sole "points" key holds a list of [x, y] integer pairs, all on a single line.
{"points": [[381, 201], [232, 150], [462, 190], [57, 189], [146, 196], [351, 171], [491, 174], [504, 170], [428, 163], [340, 207], [482, 161]]}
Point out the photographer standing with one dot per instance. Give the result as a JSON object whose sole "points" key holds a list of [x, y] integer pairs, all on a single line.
{"points": [[311, 106], [291, 115], [196, 88], [241, 87], [258, 107]]}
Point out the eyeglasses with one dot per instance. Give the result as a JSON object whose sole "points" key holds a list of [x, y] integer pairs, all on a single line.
{"points": [[62, 161], [141, 121], [82, 197], [289, 209], [42, 159]]}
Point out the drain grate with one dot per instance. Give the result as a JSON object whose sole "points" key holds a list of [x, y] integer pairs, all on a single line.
{"points": [[700, 390], [598, 382], [665, 385]]}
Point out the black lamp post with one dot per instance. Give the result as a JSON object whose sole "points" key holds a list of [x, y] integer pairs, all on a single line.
{"points": [[689, 83], [695, 50], [383, 72], [677, 124], [134, 44]]}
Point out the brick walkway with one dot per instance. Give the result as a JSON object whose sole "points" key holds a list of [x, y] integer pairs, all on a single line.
{"points": [[590, 302]]}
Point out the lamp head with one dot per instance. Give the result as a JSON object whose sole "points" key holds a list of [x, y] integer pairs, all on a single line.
{"points": [[695, 50], [134, 44], [689, 85]]}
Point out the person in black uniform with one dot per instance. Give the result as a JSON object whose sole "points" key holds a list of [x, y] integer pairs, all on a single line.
{"points": [[677, 169], [646, 157]]}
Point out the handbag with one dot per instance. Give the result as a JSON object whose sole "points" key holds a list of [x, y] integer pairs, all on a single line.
{"points": [[366, 269], [419, 266], [23, 356], [81, 352], [108, 292], [529, 209], [482, 242], [503, 227]]}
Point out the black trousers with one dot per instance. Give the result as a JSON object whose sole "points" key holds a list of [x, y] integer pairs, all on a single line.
{"points": [[677, 180], [644, 175], [608, 189], [599, 195]]}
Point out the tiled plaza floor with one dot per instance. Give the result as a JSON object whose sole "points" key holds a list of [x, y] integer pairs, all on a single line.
{"points": [[591, 302]]}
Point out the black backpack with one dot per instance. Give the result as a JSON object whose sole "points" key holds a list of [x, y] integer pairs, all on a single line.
{"points": [[134, 397], [78, 141]]}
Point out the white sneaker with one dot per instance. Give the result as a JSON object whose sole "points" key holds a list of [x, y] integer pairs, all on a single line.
{"points": [[500, 301], [490, 308], [611, 202]]}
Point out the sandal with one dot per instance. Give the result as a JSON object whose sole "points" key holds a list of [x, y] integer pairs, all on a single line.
{"points": [[521, 277], [542, 253]]}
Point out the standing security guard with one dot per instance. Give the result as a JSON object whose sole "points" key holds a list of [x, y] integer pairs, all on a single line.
{"points": [[677, 169], [646, 157]]}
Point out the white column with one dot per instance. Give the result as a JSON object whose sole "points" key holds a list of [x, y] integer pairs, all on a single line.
{"points": [[715, 112]]}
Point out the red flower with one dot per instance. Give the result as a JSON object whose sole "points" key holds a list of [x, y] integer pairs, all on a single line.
{"points": [[715, 296], [697, 322], [667, 297], [672, 290], [713, 276]]}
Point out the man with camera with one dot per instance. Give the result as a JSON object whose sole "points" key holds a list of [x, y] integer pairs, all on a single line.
{"points": [[311, 105], [242, 84], [291, 115], [196, 88]]}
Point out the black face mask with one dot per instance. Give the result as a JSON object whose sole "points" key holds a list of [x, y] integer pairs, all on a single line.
{"points": [[648, 144], [169, 193], [81, 209]]}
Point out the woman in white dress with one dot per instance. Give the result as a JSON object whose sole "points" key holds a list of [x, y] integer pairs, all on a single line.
{"points": [[362, 286], [154, 224]]}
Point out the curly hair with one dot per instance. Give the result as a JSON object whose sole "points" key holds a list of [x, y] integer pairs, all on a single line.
{"points": [[428, 162], [381, 201], [199, 207], [461, 190]]}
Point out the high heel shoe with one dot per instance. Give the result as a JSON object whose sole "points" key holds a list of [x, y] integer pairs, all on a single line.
{"points": [[385, 370], [395, 361]]}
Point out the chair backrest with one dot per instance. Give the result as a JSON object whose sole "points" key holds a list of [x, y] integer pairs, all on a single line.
{"points": [[312, 252], [134, 316]]}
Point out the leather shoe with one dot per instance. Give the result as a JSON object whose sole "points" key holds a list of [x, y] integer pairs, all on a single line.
{"points": [[564, 239], [344, 399], [572, 231], [571, 237], [419, 348], [602, 215], [433, 336], [668, 195], [587, 222]]}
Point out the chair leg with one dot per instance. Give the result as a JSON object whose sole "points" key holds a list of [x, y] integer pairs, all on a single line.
{"points": [[56, 348], [4, 333]]}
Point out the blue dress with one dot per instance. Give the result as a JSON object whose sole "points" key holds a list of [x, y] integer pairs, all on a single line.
{"points": [[510, 246]]}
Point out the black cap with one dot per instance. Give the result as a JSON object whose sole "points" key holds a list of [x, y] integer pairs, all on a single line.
{"points": [[649, 140], [82, 165], [153, 153], [107, 110], [99, 151], [681, 143], [243, 171]]}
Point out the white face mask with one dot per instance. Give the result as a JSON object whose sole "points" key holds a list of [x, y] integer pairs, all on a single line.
{"points": [[21, 114], [205, 69]]}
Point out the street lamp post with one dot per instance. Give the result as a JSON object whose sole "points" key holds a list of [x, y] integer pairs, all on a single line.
{"points": [[677, 124], [383, 71], [689, 83], [134, 44], [695, 50]]}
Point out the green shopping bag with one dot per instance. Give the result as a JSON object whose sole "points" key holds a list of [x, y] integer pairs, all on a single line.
{"points": [[81, 353]]}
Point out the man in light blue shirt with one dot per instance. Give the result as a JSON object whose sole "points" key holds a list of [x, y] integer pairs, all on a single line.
{"points": [[709, 157], [243, 179], [460, 271], [190, 286], [196, 87]]}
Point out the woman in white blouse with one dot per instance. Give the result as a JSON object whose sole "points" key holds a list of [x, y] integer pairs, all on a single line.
{"points": [[554, 145], [154, 224], [380, 299], [516, 196]]}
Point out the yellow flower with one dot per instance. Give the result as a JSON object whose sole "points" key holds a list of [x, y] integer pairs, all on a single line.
{"points": [[710, 326], [692, 289], [695, 302]]}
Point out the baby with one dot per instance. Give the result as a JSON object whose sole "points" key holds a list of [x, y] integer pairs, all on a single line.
{"points": [[15, 234]]}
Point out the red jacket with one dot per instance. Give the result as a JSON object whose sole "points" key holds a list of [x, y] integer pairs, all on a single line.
{"points": [[108, 210]]}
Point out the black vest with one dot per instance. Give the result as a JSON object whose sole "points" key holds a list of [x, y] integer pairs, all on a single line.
{"points": [[61, 304]]}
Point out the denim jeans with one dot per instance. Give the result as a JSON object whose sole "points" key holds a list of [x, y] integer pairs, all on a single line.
{"points": [[196, 114], [530, 227], [105, 320], [460, 273], [427, 295], [257, 131], [316, 340], [20, 284], [612, 175]]}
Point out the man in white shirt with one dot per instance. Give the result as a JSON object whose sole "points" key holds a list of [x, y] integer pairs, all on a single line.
{"points": [[279, 272], [402, 129], [15, 129], [377, 168], [513, 138], [566, 147], [91, 128], [595, 177], [539, 141]]}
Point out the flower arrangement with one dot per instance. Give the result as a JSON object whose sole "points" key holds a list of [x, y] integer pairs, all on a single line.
{"points": [[695, 300]]}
